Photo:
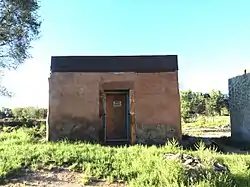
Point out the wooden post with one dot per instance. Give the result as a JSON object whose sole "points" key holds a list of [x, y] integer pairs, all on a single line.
{"points": [[132, 117]]}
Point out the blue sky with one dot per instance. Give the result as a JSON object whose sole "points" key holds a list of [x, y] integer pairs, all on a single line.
{"points": [[211, 39]]}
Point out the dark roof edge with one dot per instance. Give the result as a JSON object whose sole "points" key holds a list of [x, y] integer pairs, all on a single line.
{"points": [[129, 63], [59, 56]]}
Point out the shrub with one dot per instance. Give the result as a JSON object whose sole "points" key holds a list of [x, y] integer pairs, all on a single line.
{"points": [[30, 113]]}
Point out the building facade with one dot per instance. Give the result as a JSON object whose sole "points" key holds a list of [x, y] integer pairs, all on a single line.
{"points": [[132, 99]]}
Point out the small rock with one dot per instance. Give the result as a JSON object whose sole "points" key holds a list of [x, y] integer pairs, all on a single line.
{"points": [[220, 167], [194, 162], [188, 161]]}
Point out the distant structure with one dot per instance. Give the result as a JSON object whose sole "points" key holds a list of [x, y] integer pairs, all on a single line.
{"points": [[122, 99], [239, 106]]}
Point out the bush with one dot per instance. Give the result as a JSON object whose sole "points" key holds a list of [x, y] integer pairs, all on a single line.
{"points": [[30, 113]]}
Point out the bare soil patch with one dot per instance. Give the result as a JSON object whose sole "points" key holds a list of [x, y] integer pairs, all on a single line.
{"points": [[54, 178]]}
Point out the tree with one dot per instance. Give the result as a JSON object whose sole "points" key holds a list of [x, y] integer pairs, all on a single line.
{"points": [[19, 25], [197, 103], [17, 112], [5, 113], [215, 103]]}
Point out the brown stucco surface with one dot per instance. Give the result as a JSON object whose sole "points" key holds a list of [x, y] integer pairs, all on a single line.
{"points": [[74, 109]]}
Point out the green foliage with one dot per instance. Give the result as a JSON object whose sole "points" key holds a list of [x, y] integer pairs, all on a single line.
{"points": [[20, 25], [138, 166], [194, 104], [6, 113], [29, 113]]}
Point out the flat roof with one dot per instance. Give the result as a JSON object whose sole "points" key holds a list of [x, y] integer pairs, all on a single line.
{"points": [[139, 63]]}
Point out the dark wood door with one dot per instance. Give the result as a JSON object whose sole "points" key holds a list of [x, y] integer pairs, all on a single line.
{"points": [[116, 116]]}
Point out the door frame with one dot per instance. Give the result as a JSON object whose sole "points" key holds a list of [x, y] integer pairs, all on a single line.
{"points": [[127, 118]]}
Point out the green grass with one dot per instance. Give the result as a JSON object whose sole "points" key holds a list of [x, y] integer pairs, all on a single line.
{"points": [[139, 166], [208, 122]]}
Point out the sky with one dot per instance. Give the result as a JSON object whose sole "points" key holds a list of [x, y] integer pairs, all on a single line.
{"points": [[211, 39]]}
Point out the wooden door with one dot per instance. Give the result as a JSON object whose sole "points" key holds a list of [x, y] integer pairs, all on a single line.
{"points": [[116, 128]]}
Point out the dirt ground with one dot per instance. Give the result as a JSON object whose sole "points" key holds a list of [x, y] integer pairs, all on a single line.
{"points": [[217, 136], [208, 132], [54, 178]]}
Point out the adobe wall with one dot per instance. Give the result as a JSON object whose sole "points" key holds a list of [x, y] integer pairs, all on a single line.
{"points": [[74, 105], [239, 104]]}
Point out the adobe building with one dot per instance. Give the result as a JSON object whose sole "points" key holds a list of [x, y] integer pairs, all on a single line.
{"points": [[130, 99], [239, 106]]}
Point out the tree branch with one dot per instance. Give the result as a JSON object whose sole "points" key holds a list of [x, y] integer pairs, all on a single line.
{"points": [[4, 43]]}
